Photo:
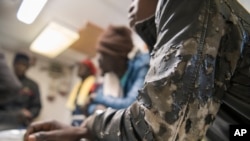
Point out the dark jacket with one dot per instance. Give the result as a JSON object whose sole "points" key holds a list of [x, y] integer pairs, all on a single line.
{"points": [[235, 107], [28, 97], [198, 51], [9, 84], [9, 87]]}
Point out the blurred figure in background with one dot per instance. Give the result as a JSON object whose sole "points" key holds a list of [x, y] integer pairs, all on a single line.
{"points": [[79, 96], [20, 102], [122, 77], [9, 87], [9, 84], [28, 102]]}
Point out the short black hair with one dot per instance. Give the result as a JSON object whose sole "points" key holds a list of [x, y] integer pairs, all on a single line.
{"points": [[22, 57]]}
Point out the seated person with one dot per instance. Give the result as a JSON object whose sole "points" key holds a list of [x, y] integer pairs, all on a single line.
{"points": [[80, 93], [127, 75]]}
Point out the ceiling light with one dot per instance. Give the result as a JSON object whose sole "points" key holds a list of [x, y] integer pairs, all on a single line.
{"points": [[29, 10], [53, 40]]}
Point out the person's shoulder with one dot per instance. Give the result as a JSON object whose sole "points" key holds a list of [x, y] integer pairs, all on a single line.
{"points": [[31, 81]]}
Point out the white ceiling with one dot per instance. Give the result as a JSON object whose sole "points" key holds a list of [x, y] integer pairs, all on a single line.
{"points": [[71, 13]]}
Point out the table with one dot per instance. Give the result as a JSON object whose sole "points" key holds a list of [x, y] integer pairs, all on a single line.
{"points": [[12, 135]]}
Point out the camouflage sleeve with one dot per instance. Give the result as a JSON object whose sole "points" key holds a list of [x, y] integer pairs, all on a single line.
{"points": [[126, 125], [191, 65]]}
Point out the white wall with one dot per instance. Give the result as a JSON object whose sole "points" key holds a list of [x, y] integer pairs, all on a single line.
{"points": [[245, 4], [50, 110]]}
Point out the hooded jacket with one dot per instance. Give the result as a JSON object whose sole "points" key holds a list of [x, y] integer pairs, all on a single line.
{"points": [[199, 48]]}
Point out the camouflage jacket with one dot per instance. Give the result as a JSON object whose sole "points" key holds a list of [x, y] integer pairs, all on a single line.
{"points": [[197, 46]]}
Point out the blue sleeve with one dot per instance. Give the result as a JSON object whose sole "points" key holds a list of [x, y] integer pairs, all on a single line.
{"points": [[124, 102], [91, 108]]}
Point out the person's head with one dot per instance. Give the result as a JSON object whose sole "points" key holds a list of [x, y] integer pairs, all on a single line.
{"points": [[140, 10], [86, 68], [21, 64], [113, 47]]}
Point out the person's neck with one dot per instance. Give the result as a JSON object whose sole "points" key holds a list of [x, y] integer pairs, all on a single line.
{"points": [[146, 29], [121, 71], [85, 76], [21, 76]]}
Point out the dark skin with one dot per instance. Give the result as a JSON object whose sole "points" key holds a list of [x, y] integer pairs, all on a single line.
{"points": [[21, 67], [54, 131], [109, 63], [140, 10], [83, 71], [58, 131]]}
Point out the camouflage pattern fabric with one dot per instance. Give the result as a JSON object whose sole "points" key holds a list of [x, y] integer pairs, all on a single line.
{"points": [[197, 46]]}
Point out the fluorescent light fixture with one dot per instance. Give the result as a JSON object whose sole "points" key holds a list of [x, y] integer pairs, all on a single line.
{"points": [[29, 10], [53, 40]]}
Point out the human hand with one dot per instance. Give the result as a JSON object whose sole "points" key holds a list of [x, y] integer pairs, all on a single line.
{"points": [[26, 113], [54, 131], [25, 116]]}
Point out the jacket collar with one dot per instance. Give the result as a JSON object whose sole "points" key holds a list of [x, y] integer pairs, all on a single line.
{"points": [[147, 31]]}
